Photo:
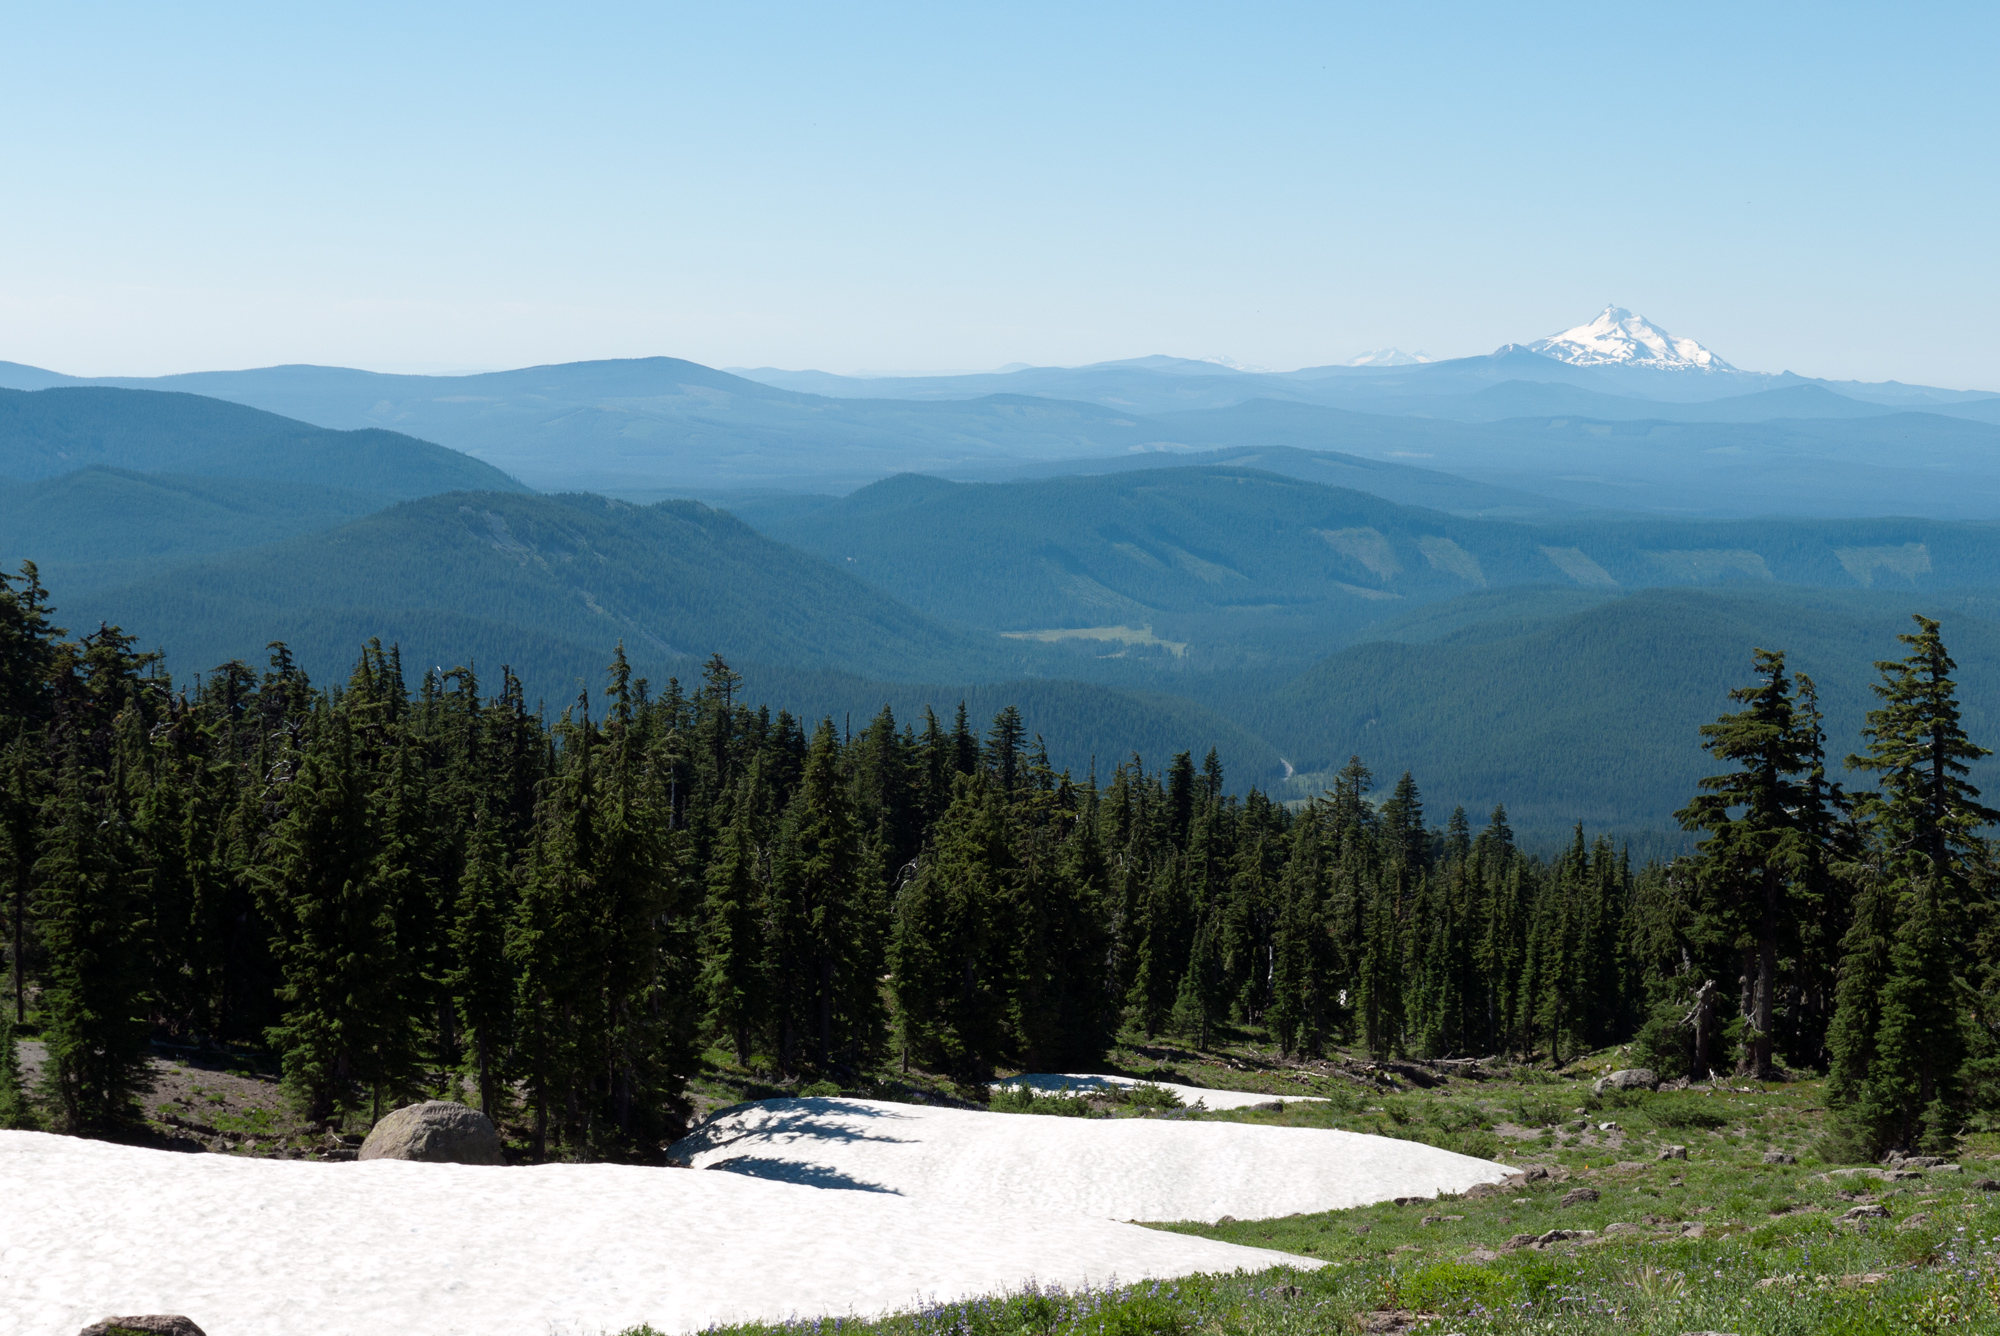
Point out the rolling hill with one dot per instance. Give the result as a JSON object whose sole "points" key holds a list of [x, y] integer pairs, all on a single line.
{"points": [[46, 433], [1580, 708], [1216, 568]]}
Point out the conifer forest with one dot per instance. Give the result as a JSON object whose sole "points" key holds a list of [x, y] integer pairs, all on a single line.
{"points": [[420, 882]]}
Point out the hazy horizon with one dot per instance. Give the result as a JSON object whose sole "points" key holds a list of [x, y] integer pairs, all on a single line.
{"points": [[909, 188]]}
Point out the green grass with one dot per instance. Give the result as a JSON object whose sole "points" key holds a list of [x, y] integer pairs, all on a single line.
{"points": [[1666, 1247]]}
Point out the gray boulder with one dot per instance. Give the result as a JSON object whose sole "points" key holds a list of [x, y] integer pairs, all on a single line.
{"points": [[1633, 1078], [435, 1132], [156, 1324]]}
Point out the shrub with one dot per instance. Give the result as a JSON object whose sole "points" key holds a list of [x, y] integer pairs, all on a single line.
{"points": [[1148, 1096], [1023, 1099], [1679, 1112], [820, 1090], [1446, 1287]]}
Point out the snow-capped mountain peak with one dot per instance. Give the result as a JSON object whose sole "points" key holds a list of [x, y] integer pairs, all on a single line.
{"points": [[1619, 338], [1389, 357]]}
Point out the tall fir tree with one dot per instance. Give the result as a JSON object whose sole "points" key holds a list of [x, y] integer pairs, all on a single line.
{"points": [[1899, 1034]]}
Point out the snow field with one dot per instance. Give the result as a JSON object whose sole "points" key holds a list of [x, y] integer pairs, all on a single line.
{"points": [[255, 1247], [1073, 1168], [826, 1207]]}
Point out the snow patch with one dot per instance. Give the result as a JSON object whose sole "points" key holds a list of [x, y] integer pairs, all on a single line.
{"points": [[250, 1247]]}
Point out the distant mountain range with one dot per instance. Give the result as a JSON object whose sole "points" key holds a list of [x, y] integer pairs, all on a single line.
{"points": [[1228, 583], [1614, 414]]}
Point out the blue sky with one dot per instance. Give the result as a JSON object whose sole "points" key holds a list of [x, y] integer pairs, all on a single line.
{"points": [[433, 187]]}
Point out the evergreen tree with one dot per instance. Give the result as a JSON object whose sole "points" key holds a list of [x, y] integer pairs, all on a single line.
{"points": [[93, 1000], [16, 1114], [480, 980], [345, 1030], [949, 969], [1899, 1039], [733, 950], [1767, 839]]}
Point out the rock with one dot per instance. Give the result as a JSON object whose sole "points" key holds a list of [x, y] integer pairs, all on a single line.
{"points": [[1915, 1161], [1866, 1213], [1482, 1190], [1521, 1240], [434, 1132], [1948, 1169], [1917, 1221], [157, 1324], [1431, 1220], [1779, 1157], [1562, 1235], [1481, 1255], [1414, 1201], [1578, 1196], [1674, 1153], [1226, 1220], [1620, 1227], [1984, 1185], [1633, 1078]]}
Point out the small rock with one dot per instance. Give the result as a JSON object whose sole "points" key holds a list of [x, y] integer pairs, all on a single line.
{"points": [[434, 1132], [1693, 1231], [1431, 1220], [1917, 1221], [1414, 1201], [1481, 1255], [1226, 1220], [1270, 1106], [157, 1324], [1779, 1157], [1482, 1190], [1947, 1169], [1620, 1227], [1560, 1235], [1915, 1161], [1674, 1153], [1521, 1240], [1984, 1185], [1578, 1196], [1866, 1213], [1633, 1078]]}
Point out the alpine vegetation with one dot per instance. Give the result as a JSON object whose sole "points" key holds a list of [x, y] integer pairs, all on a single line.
{"points": [[398, 890]]}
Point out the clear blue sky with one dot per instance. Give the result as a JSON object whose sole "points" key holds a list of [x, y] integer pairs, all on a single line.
{"points": [[432, 186]]}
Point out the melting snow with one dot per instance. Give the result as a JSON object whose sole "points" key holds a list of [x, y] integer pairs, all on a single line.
{"points": [[836, 1207]]}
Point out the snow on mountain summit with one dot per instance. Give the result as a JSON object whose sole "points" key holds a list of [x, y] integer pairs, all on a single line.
{"points": [[1619, 338]]}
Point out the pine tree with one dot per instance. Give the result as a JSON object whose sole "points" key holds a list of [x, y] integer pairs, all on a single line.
{"points": [[16, 1114], [480, 981], [734, 945], [1899, 1036], [949, 972], [93, 1000], [345, 1031], [1767, 834]]}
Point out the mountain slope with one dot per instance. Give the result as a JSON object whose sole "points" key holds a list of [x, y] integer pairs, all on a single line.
{"points": [[99, 524], [1205, 568], [49, 432], [1593, 714], [671, 580], [1619, 338]]}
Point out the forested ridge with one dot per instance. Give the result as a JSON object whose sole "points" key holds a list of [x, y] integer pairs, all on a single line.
{"points": [[402, 888]]}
